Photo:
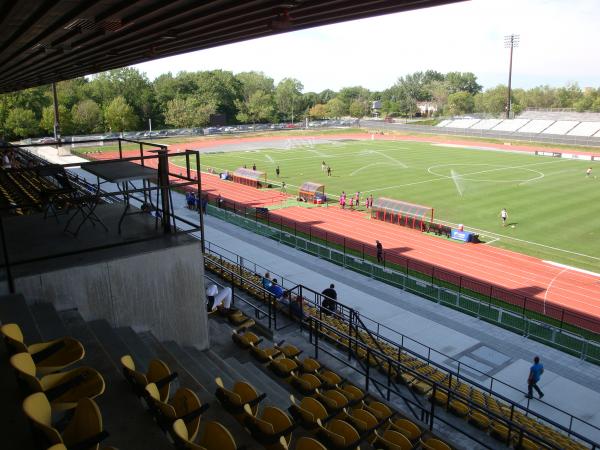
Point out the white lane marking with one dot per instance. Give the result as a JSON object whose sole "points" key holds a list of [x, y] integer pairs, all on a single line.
{"points": [[575, 269], [550, 285], [366, 167]]}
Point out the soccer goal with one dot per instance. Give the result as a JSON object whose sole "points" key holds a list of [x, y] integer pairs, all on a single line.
{"points": [[402, 213]]}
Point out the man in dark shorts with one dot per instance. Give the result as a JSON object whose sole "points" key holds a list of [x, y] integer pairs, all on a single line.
{"points": [[328, 171], [329, 303], [277, 171], [535, 373], [379, 251], [254, 166]]}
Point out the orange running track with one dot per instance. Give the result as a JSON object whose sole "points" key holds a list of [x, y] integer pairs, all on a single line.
{"points": [[512, 275], [519, 274]]}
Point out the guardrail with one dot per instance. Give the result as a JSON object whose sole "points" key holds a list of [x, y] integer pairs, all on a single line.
{"points": [[431, 282], [566, 422]]}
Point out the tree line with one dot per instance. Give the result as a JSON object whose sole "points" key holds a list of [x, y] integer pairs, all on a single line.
{"points": [[125, 99]]}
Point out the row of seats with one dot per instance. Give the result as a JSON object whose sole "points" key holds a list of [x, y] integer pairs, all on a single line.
{"points": [[478, 407], [178, 415], [337, 413], [43, 372]]}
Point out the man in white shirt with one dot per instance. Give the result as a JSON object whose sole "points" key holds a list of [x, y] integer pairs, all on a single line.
{"points": [[503, 215], [6, 161], [217, 299]]}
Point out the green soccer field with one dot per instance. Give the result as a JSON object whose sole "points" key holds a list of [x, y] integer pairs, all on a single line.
{"points": [[550, 201]]}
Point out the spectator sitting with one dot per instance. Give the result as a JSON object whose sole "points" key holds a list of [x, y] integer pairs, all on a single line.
{"points": [[266, 281], [276, 290], [329, 303], [218, 299]]}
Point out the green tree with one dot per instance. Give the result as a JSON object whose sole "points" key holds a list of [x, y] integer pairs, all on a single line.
{"points": [[86, 116], [188, 112], [326, 95], [460, 103], [336, 107], [220, 88], [64, 115], [119, 116], [287, 95], [567, 96], [319, 111], [359, 108], [22, 122], [492, 101], [257, 108], [254, 81], [462, 82]]}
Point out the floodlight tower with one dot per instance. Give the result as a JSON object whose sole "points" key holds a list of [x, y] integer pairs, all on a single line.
{"points": [[511, 41]]}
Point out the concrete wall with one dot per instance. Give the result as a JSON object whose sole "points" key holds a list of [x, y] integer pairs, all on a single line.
{"points": [[161, 291]]}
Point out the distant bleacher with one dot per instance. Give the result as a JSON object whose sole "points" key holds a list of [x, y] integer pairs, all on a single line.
{"points": [[558, 123]]}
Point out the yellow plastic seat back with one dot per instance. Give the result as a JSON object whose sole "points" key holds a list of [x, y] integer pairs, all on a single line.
{"points": [[86, 423], [314, 407], [14, 337], [37, 409], [134, 376], [25, 367], [158, 370], [306, 443], [217, 437], [394, 440], [181, 437], [435, 444]]}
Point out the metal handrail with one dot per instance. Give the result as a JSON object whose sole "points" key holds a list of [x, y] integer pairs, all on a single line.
{"points": [[461, 376]]}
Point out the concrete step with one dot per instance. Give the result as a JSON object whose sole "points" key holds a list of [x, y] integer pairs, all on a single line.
{"points": [[14, 308], [276, 394], [209, 369], [129, 425], [48, 321], [198, 370], [142, 354], [112, 343]]}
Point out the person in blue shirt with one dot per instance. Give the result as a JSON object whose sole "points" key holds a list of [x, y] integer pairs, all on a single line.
{"points": [[266, 281], [276, 290], [535, 373]]}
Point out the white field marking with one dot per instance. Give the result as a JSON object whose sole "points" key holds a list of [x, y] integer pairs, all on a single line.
{"points": [[459, 185], [574, 269], [321, 154], [399, 163], [445, 177], [550, 285], [366, 167], [269, 158], [491, 233], [492, 241], [433, 172]]}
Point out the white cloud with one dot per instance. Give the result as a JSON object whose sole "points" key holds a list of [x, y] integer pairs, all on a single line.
{"points": [[558, 44]]}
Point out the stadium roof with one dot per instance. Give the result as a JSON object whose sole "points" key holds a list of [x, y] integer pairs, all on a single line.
{"points": [[42, 41]]}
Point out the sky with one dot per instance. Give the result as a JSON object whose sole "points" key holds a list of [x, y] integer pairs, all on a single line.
{"points": [[558, 45]]}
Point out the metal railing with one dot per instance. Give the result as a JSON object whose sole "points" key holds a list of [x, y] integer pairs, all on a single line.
{"points": [[442, 286], [356, 321]]}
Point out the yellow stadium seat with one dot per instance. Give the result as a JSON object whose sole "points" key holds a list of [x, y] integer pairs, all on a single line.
{"points": [[245, 338], [215, 437], [352, 393], [392, 440], [362, 420], [268, 429], [329, 378], [234, 400], [338, 434], [48, 357], [434, 444], [185, 405], [289, 350], [264, 354], [407, 428], [63, 389], [379, 410], [306, 443], [306, 383], [283, 367], [307, 412], [85, 425], [309, 365], [158, 373], [332, 399], [479, 419]]}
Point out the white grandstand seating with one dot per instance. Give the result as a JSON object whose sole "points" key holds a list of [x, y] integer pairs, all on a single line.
{"points": [[510, 124], [444, 123], [561, 115], [536, 126], [486, 124], [560, 127], [463, 123], [585, 129]]}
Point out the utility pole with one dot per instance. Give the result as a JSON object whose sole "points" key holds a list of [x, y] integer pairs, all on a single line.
{"points": [[511, 41]]}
